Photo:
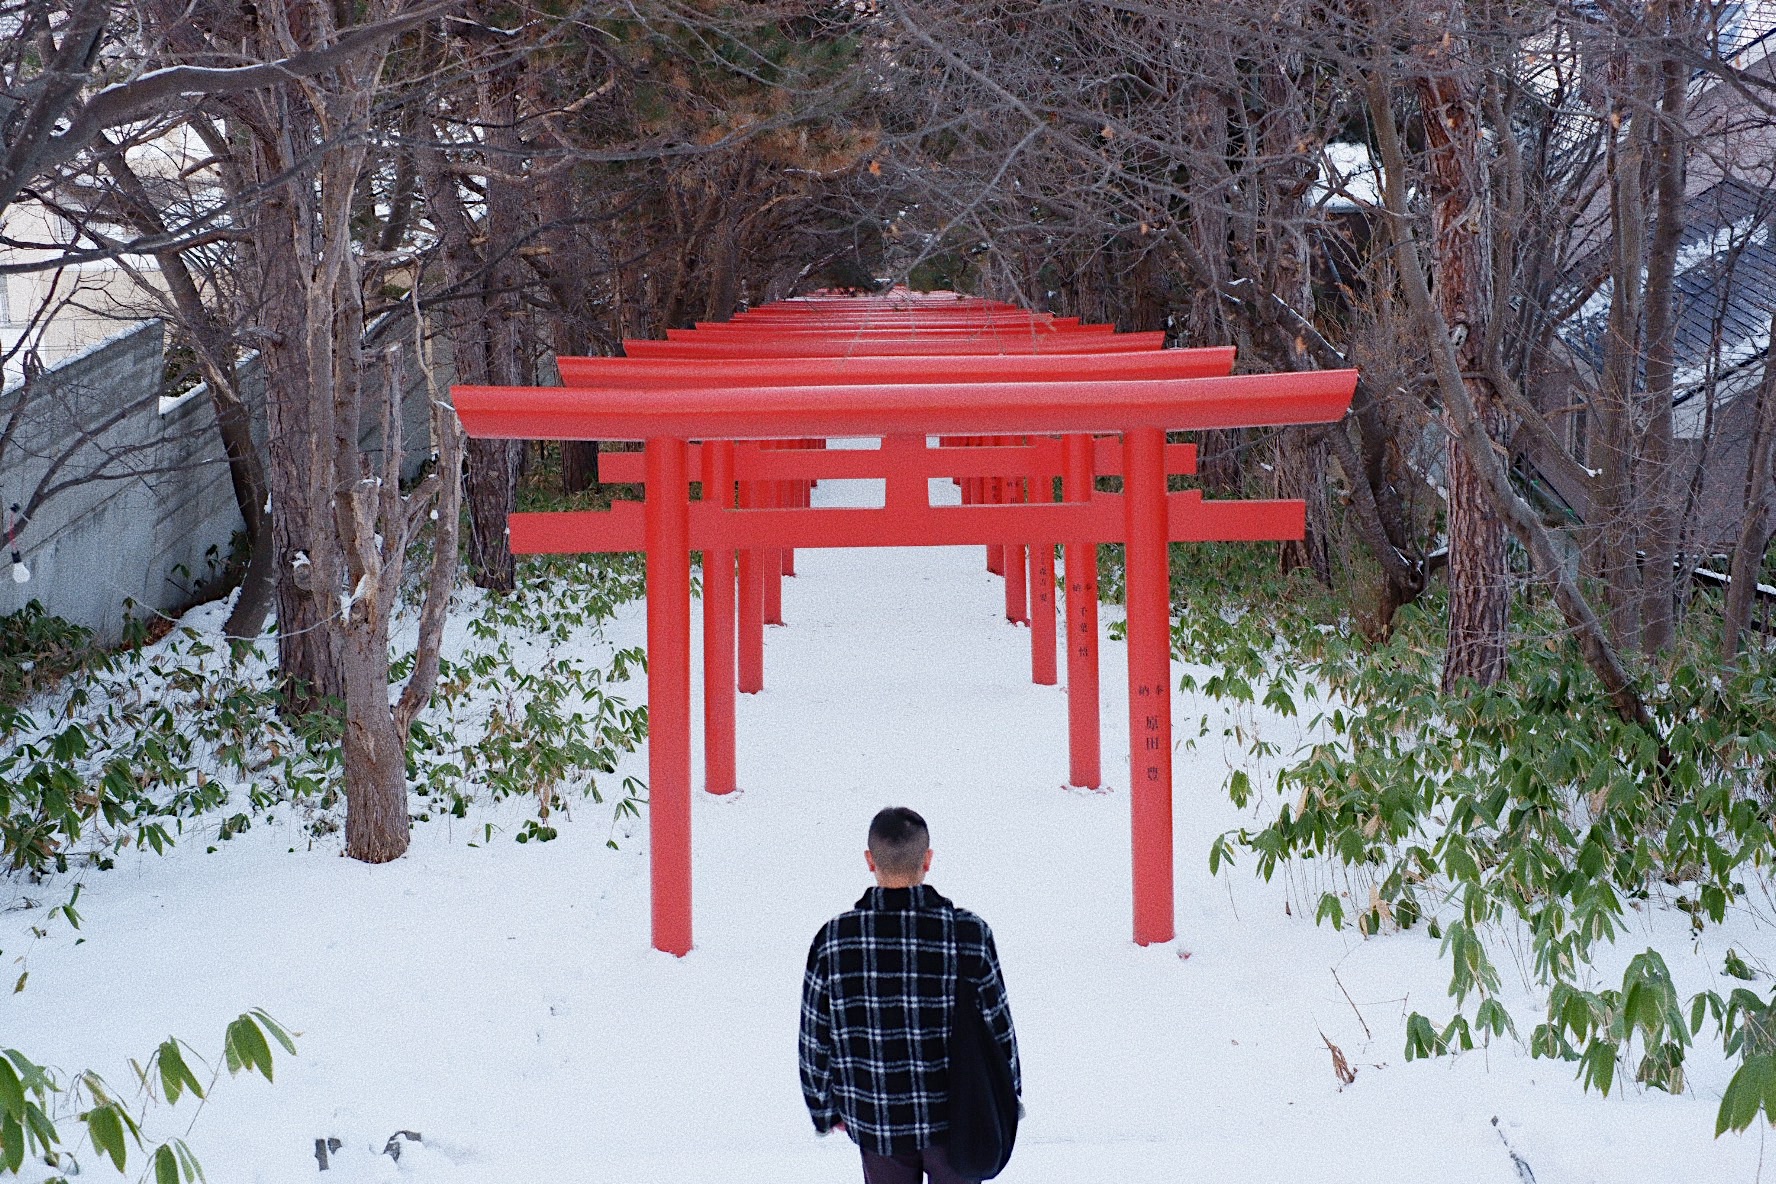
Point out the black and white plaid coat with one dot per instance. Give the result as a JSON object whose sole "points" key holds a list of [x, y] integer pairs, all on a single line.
{"points": [[876, 1005]]}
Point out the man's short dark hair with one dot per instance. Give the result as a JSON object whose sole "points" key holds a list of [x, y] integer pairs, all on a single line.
{"points": [[898, 839]]}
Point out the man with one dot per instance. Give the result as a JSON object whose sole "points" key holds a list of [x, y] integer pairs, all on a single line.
{"points": [[876, 1009]]}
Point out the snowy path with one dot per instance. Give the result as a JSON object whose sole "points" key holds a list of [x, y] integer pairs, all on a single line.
{"points": [[501, 999]]}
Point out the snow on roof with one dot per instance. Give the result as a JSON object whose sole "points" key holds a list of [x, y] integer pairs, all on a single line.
{"points": [[1726, 287], [1746, 30], [1350, 177]]}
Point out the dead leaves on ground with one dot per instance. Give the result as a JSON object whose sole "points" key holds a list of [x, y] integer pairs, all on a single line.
{"points": [[1341, 1068]]}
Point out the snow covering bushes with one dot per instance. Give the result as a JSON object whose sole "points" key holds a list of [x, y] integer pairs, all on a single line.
{"points": [[183, 738], [514, 715], [139, 741], [1521, 821], [140, 745]]}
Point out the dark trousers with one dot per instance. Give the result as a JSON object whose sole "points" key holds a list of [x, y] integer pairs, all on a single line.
{"points": [[928, 1164]]}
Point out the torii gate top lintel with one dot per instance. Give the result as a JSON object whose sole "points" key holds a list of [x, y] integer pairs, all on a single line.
{"points": [[722, 412]]}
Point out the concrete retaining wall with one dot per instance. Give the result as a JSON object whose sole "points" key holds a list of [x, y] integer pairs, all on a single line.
{"points": [[159, 532]]}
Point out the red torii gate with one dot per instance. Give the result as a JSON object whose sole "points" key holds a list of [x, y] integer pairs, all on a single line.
{"points": [[760, 572], [903, 392], [1077, 461]]}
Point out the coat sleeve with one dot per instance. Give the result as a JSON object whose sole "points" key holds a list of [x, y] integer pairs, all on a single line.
{"points": [[816, 1038], [995, 1007]]}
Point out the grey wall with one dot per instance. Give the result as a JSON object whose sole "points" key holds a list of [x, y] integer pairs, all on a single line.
{"points": [[147, 534], [160, 532]]}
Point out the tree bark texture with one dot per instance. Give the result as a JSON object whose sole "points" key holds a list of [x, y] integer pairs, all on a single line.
{"points": [[576, 270], [1479, 567], [1614, 512], [341, 522], [579, 465], [490, 489], [376, 823], [1760, 512], [1657, 467], [297, 408]]}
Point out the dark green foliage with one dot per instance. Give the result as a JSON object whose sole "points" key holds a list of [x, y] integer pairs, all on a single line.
{"points": [[140, 742], [36, 651], [118, 766], [535, 729], [1529, 808], [1596, 1028]]}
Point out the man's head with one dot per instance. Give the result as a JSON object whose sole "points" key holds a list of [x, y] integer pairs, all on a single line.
{"points": [[899, 848]]}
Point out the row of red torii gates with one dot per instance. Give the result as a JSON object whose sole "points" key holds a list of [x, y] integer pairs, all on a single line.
{"points": [[1016, 400]]}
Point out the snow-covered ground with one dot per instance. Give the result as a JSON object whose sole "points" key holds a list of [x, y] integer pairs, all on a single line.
{"points": [[501, 999]]}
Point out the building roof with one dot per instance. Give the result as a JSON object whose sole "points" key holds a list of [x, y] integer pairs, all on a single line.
{"points": [[1726, 292]]}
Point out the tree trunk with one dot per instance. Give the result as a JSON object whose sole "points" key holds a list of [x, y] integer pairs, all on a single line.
{"points": [[491, 492], [377, 826], [341, 523], [246, 472], [1613, 511], [1658, 462], [1479, 571], [216, 348], [308, 656], [579, 465], [1588, 632], [577, 273], [258, 586], [1760, 511], [1479, 568]]}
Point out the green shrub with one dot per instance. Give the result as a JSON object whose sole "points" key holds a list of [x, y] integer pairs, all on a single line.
{"points": [[1528, 811]]}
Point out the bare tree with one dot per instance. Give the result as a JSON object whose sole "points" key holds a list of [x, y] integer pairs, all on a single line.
{"points": [[1137, 164], [71, 72], [80, 85], [1468, 423], [1672, 22], [1051, 155], [1760, 511], [480, 266], [207, 314], [342, 526]]}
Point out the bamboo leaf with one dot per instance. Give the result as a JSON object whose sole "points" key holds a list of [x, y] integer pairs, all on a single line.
{"points": [[166, 1165], [105, 1125], [251, 1051], [1745, 1095], [277, 1030], [175, 1075], [12, 1092], [12, 1144]]}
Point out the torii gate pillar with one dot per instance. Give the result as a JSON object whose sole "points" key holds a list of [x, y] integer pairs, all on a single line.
{"points": [[668, 524], [719, 773], [1083, 741], [1148, 591]]}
